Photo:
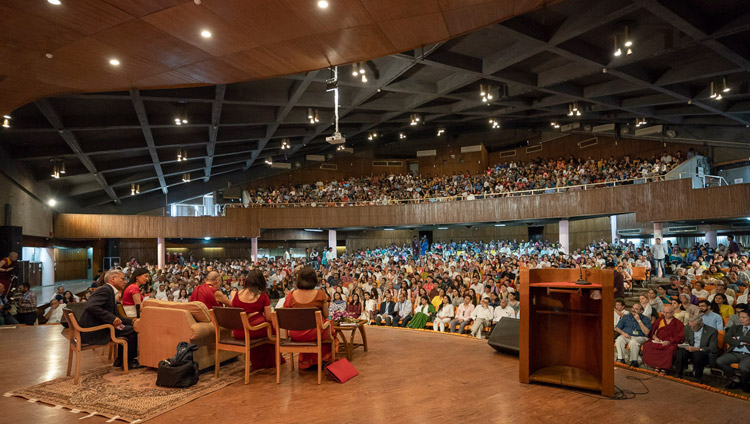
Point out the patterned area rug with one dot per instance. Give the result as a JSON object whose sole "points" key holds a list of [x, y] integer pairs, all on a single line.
{"points": [[132, 397]]}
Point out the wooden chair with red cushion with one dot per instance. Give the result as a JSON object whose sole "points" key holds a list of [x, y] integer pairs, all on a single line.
{"points": [[301, 319]]}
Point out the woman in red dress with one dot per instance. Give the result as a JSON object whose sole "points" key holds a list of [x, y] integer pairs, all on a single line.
{"points": [[666, 333], [254, 300], [307, 296], [131, 296]]}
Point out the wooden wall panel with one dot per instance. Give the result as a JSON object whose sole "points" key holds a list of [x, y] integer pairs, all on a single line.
{"points": [[70, 264], [655, 202], [143, 250]]}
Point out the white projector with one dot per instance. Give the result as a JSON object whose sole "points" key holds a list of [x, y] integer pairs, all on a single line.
{"points": [[336, 138]]}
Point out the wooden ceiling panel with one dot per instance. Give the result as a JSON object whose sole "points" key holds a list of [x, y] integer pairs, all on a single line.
{"points": [[86, 16], [161, 48], [187, 21], [140, 8], [386, 10], [404, 32], [480, 13]]}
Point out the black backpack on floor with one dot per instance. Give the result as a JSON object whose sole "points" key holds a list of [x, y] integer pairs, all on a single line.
{"points": [[180, 370]]}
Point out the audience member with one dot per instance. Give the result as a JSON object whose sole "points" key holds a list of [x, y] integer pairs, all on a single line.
{"points": [[666, 333], [482, 317], [633, 330], [444, 315], [710, 318], [54, 312], [738, 339], [700, 342], [26, 305], [463, 316]]}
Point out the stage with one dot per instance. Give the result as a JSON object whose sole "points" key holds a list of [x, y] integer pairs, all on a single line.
{"points": [[407, 377]]}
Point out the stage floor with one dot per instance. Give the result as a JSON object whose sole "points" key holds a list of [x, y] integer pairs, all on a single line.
{"points": [[406, 377]]}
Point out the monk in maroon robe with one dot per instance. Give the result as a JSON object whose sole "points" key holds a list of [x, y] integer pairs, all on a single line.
{"points": [[666, 333]]}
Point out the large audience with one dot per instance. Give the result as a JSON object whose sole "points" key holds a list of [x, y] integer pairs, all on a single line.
{"points": [[510, 178]]}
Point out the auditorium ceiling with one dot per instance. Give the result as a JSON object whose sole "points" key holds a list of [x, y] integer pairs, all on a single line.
{"points": [[688, 70]]}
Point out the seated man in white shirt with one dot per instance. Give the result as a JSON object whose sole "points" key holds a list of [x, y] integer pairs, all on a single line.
{"points": [[482, 316], [620, 310], [502, 311], [53, 313]]}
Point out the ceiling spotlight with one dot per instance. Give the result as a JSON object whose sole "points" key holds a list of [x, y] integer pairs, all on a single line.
{"points": [[440, 132], [49, 56], [285, 144], [355, 70], [6, 121], [323, 4], [372, 136], [482, 93], [54, 2], [494, 123], [135, 189], [719, 96], [402, 136], [414, 119], [724, 87], [52, 202], [713, 91], [186, 177], [206, 33], [554, 124], [340, 147], [181, 154], [630, 51], [58, 167], [269, 161], [628, 41], [114, 62], [364, 78], [313, 116], [640, 121]]}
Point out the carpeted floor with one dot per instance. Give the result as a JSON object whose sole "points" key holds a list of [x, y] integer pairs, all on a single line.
{"points": [[132, 397]]}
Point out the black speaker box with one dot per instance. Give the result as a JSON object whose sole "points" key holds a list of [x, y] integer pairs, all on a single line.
{"points": [[504, 337], [11, 240], [113, 247]]}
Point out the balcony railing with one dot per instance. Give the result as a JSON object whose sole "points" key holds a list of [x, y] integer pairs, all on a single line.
{"points": [[550, 190]]}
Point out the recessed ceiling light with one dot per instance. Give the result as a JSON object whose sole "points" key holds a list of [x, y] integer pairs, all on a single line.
{"points": [[206, 33], [49, 55], [52, 202], [114, 62], [55, 2], [323, 4]]}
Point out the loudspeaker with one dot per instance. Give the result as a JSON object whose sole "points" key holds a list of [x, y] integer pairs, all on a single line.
{"points": [[11, 240], [504, 337], [113, 247]]}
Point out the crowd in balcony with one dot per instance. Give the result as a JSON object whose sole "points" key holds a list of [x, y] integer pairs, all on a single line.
{"points": [[503, 179]]}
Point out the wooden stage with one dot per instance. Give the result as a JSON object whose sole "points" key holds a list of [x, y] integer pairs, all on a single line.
{"points": [[406, 377]]}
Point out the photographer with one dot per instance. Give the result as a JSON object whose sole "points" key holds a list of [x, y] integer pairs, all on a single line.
{"points": [[5, 315], [8, 268]]}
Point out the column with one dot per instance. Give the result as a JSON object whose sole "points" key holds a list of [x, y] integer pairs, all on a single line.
{"points": [[47, 258], [160, 250], [254, 248], [332, 241], [613, 227], [658, 230], [711, 239], [564, 235]]}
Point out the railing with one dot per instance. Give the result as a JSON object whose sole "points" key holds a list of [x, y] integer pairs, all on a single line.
{"points": [[550, 190], [707, 180]]}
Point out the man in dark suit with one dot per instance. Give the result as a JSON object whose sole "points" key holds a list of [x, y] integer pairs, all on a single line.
{"points": [[702, 341], [738, 339], [101, 309], [387, 311]]}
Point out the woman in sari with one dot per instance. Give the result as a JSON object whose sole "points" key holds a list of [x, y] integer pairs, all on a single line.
{"points": [[422, 313], [254, 300], [337, 305], [306, 296], [666, 333]]}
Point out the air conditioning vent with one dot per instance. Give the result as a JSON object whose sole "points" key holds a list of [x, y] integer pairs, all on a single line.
{"points": [[741, 226], [683, 229], [629, 231], [315, 158], [329, 166], [388, 163], [588, 143], [603, 128], [507, 154], [281, 165], [426, 153], [534, 149], [471, 149]]}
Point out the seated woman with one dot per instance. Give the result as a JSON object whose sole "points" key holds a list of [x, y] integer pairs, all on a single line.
{"points": [[699, 290], [182, 296], [68, 297], [437, 301], [422, 313], [131, 295], [494, 300], [680, 313], [513, 301], [354, 307], [369, 307], [255, 301], [306, 296], [721, 306], [444, 315], [666, 333], [337, 305]]}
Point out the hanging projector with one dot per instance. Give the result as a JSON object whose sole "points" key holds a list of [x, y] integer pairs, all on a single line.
{"points": [[336, 138]]}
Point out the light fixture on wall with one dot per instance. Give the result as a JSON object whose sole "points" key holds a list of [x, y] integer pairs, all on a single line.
{"points": [[135, 189]]}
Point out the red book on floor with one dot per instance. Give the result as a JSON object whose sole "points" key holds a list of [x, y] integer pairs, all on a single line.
{"points": [[341, 371]]}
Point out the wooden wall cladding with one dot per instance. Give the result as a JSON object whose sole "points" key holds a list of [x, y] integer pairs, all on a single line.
{"points": [[159, 45], [70, 264], [144, 250], [655, 202]]}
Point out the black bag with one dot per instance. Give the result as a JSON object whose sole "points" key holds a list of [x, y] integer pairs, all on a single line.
{"points": [[180, 370]]}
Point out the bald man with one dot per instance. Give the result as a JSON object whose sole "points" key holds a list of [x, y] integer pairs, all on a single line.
{"points": [[209, 292]]}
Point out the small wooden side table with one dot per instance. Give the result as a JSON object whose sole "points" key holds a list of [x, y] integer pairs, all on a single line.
{"points": [[348, 343]]}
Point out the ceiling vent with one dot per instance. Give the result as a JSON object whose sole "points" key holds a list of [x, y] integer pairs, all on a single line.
{"points": [[316, 158], [329, 166], [588, 143], [426, 153], [281, 165], [507, 154], [534, 149], [629, 232], [388, 163], [471, 149], [656, 129], [683, 229]]}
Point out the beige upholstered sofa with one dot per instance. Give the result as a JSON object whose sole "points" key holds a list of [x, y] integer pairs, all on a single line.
{"points": [[164, 324]]}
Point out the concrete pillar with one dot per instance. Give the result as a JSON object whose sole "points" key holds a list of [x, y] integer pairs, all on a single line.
{"points": [[564, 235], [160, 251], [332, 242], [47, 258], [711, 239], [658, 233], [254, 248], [613, 227]]}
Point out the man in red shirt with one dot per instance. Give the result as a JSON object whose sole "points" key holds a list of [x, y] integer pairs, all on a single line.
{"points": [[209, 292]]}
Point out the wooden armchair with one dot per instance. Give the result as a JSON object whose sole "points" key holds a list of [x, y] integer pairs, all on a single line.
{"points": [[237, 319], [77, 346], [301, 319]]}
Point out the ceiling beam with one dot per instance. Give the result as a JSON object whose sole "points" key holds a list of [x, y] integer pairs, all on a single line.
{"points": [[140, 111], [213, 130], [54, 119]]}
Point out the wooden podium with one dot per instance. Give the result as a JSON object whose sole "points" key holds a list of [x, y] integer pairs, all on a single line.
{"points": [[566, 336]]}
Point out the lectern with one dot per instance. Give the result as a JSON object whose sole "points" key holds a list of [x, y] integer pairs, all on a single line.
{"points": [[566, 335]]}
